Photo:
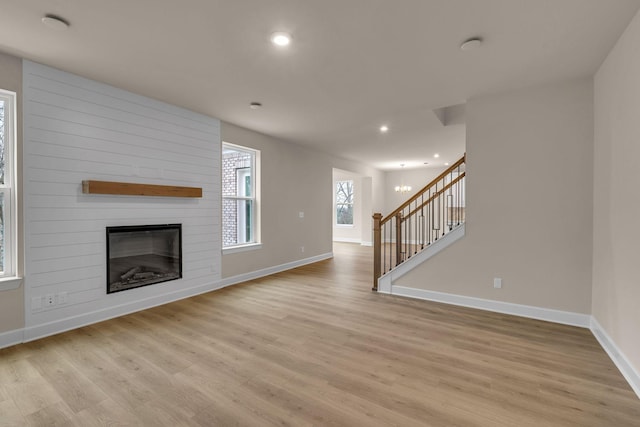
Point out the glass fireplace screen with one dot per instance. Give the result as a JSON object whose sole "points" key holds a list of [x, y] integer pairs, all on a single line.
{"points": [[143, 255]]}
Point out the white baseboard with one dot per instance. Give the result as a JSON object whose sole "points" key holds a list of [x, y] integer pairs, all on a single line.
{"points": [[346, 240], [540, 313], [619, 359], [7, 339], [51, 328], [352, 240], [272, 270]]}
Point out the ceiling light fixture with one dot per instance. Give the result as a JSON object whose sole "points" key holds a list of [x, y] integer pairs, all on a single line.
{"points": [[255, 105], [384, 128], [402, 188], [436, 155], [281, 38], [55, 22], [446, 163], [470, 44]]}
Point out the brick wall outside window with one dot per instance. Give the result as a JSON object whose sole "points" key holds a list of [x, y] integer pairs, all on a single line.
{"points": [[230, 163]]}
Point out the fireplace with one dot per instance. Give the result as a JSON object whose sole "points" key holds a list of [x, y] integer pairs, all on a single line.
{"points": [[143, 255]]}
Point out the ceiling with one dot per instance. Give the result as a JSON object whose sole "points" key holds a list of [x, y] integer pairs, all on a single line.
{"points": [[353, 64]]}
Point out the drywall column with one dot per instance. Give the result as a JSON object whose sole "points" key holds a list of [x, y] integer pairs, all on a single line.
{"points": [[528, 199], [616, 229], [366, 190]]}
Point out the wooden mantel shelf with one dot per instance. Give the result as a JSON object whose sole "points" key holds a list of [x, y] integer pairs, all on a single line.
{"points": [[131, 189]]}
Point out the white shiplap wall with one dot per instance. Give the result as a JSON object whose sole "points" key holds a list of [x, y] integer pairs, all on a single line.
{"points": [[77, 129]]}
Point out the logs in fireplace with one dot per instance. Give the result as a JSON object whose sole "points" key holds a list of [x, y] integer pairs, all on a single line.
{"points": [[143, 255]]}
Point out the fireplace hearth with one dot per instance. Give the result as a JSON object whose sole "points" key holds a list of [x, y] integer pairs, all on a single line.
{"points": [[143, 255]]}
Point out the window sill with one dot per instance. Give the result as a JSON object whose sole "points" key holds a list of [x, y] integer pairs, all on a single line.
{"points": [[10, 283], [241, 248], [345, 225]]}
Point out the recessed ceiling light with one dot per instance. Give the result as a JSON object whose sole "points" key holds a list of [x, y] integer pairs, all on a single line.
{"points": [[55, 22], [436, 155], [472, 43], [384, 128], [255, 105], [281, 38], [446, 163]]}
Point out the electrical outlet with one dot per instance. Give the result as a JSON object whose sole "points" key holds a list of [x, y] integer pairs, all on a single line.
{"points": [[301, 214], [497, 282], [49, 300], [62, 298], [302, 249]]}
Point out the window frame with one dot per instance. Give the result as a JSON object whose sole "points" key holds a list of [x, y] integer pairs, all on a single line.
{"points": [[255, 242], [352, 204], [9, 275]]}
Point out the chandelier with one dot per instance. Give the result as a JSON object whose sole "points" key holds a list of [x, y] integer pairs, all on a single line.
{"points": [[402, 188]]}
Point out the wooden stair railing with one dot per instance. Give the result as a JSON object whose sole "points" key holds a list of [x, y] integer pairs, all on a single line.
{"points": [[432, 212]]}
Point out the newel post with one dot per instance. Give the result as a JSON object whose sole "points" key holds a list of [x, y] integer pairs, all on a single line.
{"points": [[377, 253]]}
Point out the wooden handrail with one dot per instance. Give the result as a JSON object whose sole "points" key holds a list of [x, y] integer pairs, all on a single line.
{"points": [[425, 188], [434, 196]]}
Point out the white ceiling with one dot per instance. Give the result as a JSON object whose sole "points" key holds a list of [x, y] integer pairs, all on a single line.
{"points": [[353, 64]]}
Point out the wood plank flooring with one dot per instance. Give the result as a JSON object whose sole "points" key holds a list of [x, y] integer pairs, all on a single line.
{"points": [[314, 346]]}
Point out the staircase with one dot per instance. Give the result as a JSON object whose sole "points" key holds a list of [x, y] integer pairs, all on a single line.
{"points": [[420, 224]]}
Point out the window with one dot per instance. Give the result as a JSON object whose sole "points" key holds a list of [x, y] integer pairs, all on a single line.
{"points": [[8, 214], [344, 202], [239, 196]]}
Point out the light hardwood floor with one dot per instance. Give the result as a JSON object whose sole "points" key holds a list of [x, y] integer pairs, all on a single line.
{"points": [[314, 346]]}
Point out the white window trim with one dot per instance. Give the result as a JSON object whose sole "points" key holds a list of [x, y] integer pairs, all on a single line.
{"points": [[241, 248], [335, 204], [8, 278], [257, 238]]}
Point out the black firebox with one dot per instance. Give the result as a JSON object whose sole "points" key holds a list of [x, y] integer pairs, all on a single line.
{"points": [[141, 255]]}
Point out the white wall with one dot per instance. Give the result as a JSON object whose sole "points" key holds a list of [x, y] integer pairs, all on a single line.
{"points": [[375, 176], [616, 230], [77, 129], [529, 202], [373, 194], [416, 178], [366, 213], [294, 179], [291, 181]]}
